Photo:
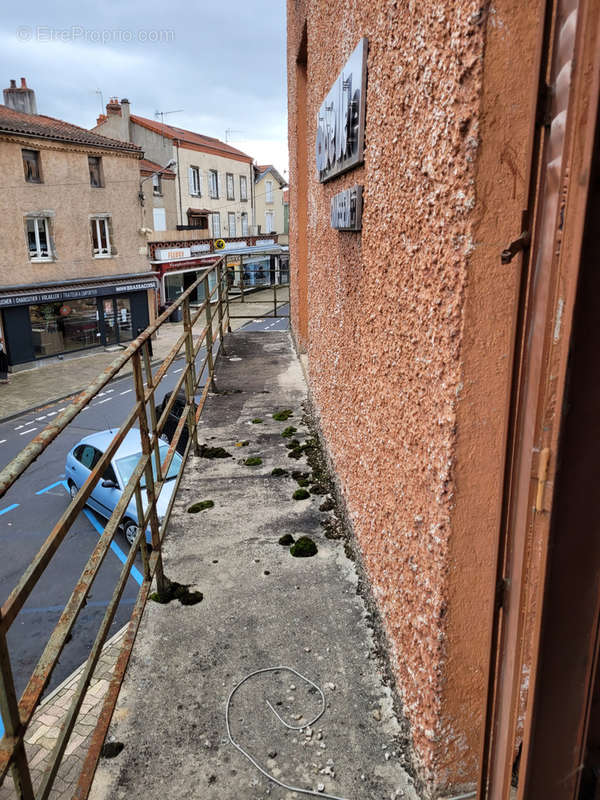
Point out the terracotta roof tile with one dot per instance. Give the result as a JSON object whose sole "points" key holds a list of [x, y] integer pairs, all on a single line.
{"points": [[42, 127], [148, 167], [195, 140]]}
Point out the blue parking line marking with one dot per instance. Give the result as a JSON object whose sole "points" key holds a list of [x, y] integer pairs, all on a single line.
{"points": [[53, 486], [135, 573], [9, 508]]}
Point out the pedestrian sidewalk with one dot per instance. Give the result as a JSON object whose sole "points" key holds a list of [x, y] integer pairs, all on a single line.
{"points": [[262, 608], [54, 379], [43, 732]]}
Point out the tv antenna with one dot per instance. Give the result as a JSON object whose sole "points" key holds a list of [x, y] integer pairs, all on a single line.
{"points": [[229, 131], [162, 114]]}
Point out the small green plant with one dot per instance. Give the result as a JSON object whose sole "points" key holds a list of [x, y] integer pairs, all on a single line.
{"points": [[286, 539], [291, 445], [200, 506], [253, 461], [289, 431], [281, 416], [318, 488], [300, 494], [278, 472], [327, 505], [304, 548], [257, 421]]}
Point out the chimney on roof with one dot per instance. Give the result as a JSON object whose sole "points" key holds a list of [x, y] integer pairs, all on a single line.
{"points": [[20, 98], [113, 107], [125, 110]]}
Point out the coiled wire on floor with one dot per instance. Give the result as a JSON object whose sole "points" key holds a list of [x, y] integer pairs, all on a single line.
{"points": [[252, 760]]}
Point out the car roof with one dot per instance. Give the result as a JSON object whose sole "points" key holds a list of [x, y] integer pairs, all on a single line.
{"points": [[131, 444]]}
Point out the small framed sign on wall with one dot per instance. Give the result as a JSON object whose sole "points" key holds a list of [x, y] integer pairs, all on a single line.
{"points": [[341, 118]]}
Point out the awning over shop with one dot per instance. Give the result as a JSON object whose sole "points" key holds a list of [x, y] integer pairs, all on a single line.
{"points": [[69, 290]]}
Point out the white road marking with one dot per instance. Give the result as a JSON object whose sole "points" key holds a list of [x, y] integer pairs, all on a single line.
{"points": [[175, 371], [18, 428], [31, 430], [99, 403], [39, 419], [126, 391], [108, 391], [53, 413], [2, 441]]}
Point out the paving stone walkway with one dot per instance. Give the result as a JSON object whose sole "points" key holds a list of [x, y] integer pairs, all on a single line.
{"points": [[45, 727]]}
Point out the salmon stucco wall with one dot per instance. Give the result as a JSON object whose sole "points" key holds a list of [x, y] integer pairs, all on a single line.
{"points": [[408, 326]]}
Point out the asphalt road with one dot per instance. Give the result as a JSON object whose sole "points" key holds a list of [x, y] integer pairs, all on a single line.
{"points": [[33, 505]]}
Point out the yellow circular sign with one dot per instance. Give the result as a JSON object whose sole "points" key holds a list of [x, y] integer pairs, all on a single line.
{"points": [[219, 244]]}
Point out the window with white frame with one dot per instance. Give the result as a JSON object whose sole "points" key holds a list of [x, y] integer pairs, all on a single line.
{"points": [[231, 223], [244, 223], [195, 185], [269, 221], [243, 187], [156, 185], [230, 187], [214, 183], [269, 191], [101, 244], [216, 225], [38, 238], [159, 219]]}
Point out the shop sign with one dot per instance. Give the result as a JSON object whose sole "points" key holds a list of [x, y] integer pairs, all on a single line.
{"points": [[200, 248], [346, 209], [169, 255], [341, 118], [264, 241], [73, 294], [235, 245]]}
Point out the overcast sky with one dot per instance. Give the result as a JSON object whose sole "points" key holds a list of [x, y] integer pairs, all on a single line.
{"points": [[223, 63]]}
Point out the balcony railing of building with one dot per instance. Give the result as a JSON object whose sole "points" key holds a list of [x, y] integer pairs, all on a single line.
{"points": [[204, 327]]}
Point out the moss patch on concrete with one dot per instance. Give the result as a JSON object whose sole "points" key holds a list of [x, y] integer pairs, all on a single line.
{"points": [[300, 494], [286, 540], [177, 591], [281, 416], [257, 421], [304, 548], [289, 431], [253, 461], [213, 452], [277, 472], [202, 505]]}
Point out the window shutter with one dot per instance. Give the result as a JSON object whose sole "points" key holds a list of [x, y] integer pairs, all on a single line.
{"points": [[199, 182], [220, 184], [191, 180], [160, 222]]}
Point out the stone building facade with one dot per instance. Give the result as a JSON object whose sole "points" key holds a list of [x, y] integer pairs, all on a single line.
{"points": [[268, 199], [417, 326], [214, 183], [73, 267]]}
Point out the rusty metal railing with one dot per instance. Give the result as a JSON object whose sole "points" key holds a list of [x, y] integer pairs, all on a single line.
{"points": [[213, 314]]}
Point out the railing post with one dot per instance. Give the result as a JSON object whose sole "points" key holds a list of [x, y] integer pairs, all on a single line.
{"points": [[139, 505], [241, 279], [220, 303], [227, 289], [149, 475], [275, 298], [209, 338], [9, 709], [153, 416], [190, 376]]}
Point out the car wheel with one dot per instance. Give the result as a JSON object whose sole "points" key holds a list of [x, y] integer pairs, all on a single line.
{"points": [[130, 529], [73, 490]]}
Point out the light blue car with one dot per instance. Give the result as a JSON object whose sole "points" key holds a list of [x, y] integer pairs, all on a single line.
{"points": [[107, 492]]}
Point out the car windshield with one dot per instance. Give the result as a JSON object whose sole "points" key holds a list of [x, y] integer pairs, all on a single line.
{"points": [[127, 465]]}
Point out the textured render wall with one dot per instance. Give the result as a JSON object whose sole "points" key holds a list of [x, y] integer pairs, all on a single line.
{"points": [[66, 192], [410, 328]]}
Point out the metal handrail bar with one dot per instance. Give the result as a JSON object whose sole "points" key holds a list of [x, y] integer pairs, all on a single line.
{"points": [[18, 717]]}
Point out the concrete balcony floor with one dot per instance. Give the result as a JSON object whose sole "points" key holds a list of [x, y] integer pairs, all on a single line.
{"points": [[262, 607]]}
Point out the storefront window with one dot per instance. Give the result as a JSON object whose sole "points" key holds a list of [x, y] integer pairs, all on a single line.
{"points": [[257, 271], [60, 327]]}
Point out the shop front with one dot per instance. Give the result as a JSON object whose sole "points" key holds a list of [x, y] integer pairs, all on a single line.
{"points": [[54, 322]]}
